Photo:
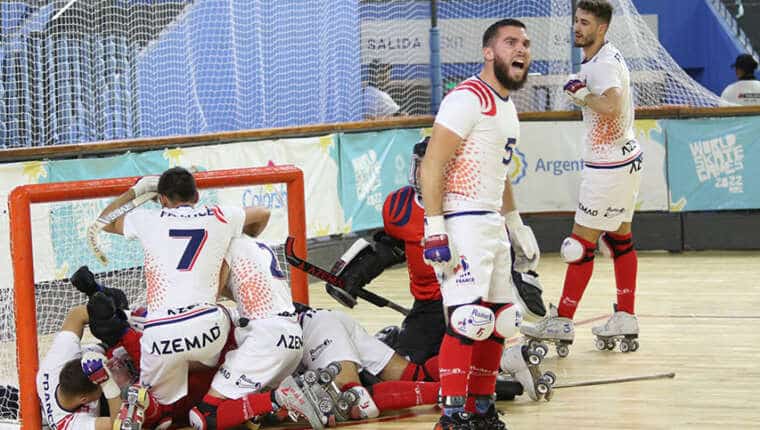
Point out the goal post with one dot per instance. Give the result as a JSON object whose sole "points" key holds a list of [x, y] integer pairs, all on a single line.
{"points": [[20, 204]]}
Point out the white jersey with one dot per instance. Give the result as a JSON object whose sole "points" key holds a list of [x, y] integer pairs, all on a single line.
{"points": [[745, 92], [65, 348], [489, 128], [258, 285], [610, 142], [184, 249]]}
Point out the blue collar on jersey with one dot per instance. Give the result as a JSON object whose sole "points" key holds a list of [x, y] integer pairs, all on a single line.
{"points": [[506, 99]]}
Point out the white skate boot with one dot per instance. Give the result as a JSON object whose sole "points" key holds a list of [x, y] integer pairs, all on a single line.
{"points": [[622, 328], [299, 399], [552, 328], [523, 365]]}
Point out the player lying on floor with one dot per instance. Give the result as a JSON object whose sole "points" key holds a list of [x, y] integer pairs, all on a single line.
{"points": [[69, 396], [424, 328]]}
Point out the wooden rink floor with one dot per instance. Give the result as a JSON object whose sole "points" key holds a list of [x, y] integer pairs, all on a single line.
{"points": [[699, 315]]}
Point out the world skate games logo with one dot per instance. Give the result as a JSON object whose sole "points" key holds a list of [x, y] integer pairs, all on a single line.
{"points": [[720, 160], [462, 271]]}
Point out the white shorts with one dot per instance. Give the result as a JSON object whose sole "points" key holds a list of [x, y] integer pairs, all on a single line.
{"points": [[269, 350], [173, 338], [334, 336], [608, 197], [484, 265]]}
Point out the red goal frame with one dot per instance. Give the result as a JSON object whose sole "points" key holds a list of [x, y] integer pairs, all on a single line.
{"points": [[19, 205]]}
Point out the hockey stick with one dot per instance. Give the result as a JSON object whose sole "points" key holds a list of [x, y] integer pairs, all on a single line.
{"points": [[617, 380], [337, 281], [100, 223]]}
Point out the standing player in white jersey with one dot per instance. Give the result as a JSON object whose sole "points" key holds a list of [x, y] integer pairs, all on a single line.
{"points": [[468, 200], [270, 344], [609, 186], [184, 249]]}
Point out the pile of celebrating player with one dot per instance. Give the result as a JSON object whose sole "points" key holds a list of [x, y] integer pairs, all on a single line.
{"points": [[183, 359]]}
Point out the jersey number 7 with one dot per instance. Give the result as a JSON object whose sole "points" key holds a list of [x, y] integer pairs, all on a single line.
{"points": [[193, 249]]}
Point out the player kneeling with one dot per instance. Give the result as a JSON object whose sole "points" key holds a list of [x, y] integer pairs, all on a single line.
{"points": [[269, 349]]}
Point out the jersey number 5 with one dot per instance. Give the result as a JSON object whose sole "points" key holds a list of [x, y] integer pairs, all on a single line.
{"points": [[193, 249], [509, 147]]}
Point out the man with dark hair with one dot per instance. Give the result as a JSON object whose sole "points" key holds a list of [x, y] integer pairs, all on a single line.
{"points": [[66, 380], [185, 247], [745, 91], [609, 187], [468, 202]]}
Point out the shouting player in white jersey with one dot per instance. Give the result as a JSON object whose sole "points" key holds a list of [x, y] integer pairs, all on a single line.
{"points": [[184, 249], [609, 185], [270, 344], [468, 200]]}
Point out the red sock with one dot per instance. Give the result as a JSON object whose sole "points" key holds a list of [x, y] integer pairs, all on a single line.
{"points": [[426, 372], [626, 265], [469, 405], [454, 359], [576, 279], [155, 410], [392, 395], [233, 412], [486, 355]]}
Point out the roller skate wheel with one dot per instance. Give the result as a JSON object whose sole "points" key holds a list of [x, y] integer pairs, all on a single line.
{"points": [[534, 359], [351, 397], [325, 377], [541, 349], [550, 377], [634, 345], [334, 368], [310, 377], [610, 344], [600, 344], [542, 388], [625, 346], [563, 351], [343, 406], [325, 405]]}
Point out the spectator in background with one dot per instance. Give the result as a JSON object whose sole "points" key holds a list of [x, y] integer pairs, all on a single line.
{"points": [[745, 91], [377, 102]]}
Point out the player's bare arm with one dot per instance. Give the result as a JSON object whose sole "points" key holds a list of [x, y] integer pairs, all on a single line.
{"points": [[608, 104], [443, 144], [75, 320], [507, 198], [256, 219]]}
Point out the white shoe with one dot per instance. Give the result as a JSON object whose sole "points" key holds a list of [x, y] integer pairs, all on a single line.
{"points": [[292, 397], [523, 365], [551, 328], [622, 328]]}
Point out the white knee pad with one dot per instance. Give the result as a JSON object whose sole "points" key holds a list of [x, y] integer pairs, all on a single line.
{"points": [[572, 251], [508, 320], [473, 321]]}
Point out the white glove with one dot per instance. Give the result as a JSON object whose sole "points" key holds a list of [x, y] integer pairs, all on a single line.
{"points": [[523, 241], [95, 366], [146, 184], [576, 89], [438, 252]]}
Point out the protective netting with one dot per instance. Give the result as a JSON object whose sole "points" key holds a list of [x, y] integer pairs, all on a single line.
{"points": [[111, 69], [60, 248], [397, 33]]}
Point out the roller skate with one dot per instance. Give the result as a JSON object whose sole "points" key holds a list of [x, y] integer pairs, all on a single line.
{"points": [[459, 421], [343, 401], [523, 365], [132, 413], [553, 329], [621, 329], [489, 421], [301, 398]]}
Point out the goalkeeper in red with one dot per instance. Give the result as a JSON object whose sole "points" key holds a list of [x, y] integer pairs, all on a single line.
{"points": [[609, 186], [468, 209]]}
